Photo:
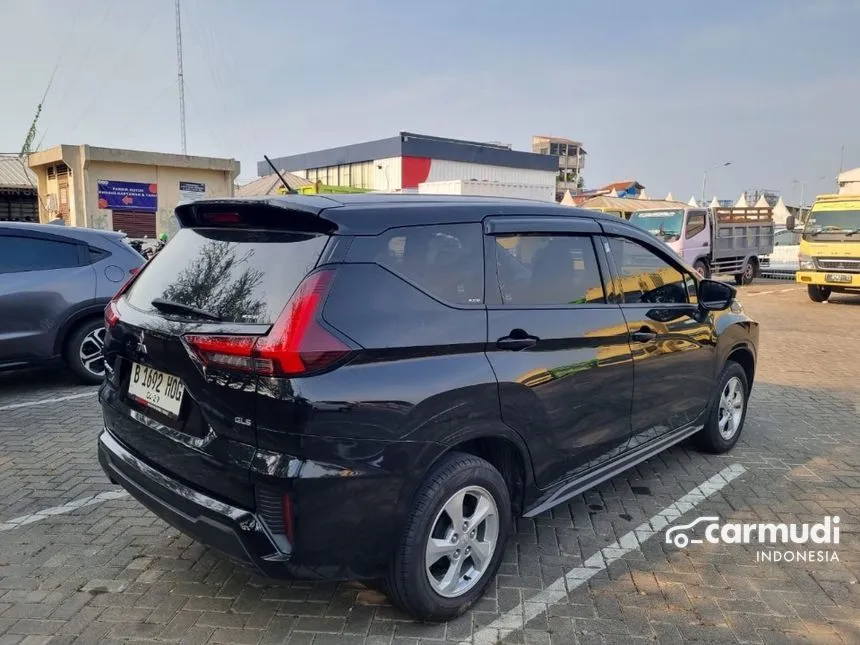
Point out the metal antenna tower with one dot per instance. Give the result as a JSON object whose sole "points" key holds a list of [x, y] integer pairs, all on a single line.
{"points": [[181, 77]]}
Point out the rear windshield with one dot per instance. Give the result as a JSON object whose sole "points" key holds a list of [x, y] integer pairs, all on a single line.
{"points": [[241, 276]]}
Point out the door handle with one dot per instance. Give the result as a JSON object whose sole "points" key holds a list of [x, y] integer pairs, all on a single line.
{"points": [[643, 335], [706, 244], [516, 340]]}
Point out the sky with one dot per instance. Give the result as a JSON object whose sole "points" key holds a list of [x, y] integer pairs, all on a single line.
{"points": [[656, 91]]}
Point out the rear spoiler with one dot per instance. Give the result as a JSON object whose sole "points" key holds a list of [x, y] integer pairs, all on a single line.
{"points": [[291, 212]]}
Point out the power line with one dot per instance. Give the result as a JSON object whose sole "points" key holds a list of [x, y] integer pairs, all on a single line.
{"points": [[31, 133], [128, 53], [92, 43], [146, 107], [219, 94]]}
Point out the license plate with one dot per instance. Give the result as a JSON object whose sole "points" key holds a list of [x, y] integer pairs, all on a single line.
{"points": [[156, 389], [837, 277]]}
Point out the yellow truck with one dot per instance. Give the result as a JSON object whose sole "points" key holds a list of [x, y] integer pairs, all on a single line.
{"points": [[829, 259]]}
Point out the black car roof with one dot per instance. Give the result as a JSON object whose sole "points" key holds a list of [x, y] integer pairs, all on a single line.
{"points": [[372, 213]]}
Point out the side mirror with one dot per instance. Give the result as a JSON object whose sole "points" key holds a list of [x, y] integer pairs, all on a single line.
{"points": [[790, 223], [714, 295]]}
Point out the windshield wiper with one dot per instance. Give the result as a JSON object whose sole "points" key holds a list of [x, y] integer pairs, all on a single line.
{"points": [[171, 306]]}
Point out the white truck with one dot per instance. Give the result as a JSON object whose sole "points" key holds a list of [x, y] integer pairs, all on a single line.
{"points": [[728, 241], [482, 188]]}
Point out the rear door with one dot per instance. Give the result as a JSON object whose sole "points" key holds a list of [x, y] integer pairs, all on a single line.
{"points": [[193, 423], [558, 343], [41, 278]]}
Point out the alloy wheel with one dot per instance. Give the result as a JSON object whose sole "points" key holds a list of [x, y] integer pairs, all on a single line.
{"points": [[731, 407], [462, 541], [91, 352]]}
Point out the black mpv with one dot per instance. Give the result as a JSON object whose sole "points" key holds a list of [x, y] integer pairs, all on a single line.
{"points": [[373, 386]]}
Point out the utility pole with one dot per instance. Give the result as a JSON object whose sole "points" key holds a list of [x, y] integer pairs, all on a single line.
{"points": [[181, 78], [705, 177], [841, 162]]}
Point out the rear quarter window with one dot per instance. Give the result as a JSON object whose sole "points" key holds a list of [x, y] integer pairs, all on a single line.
{"points": [[242, 276], [443, 260]]}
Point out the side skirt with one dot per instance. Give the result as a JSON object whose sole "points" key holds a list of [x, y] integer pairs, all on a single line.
{"points": [[609, 470]]}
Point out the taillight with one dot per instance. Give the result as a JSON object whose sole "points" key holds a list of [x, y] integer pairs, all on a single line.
{"points": [[111, 311], [234, 352], [296, 344]]}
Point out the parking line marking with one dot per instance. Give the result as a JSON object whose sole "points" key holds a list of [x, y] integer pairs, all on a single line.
{"points": [[45, 513], [518, 617], [764, 293], [59, 399]]}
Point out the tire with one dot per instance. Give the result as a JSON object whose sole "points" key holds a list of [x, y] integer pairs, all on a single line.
{"points": [[818, 293], [702, 267], [82, 351], [748, 274], [727, 408], [458, 481]]}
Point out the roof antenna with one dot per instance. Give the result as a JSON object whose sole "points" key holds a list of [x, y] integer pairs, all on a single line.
{"points": [[290, 191]]}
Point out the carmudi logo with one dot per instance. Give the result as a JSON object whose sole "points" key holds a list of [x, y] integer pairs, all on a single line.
{"points": [[770, 535]]}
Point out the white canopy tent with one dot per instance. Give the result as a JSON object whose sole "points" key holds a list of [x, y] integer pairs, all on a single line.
{"points": [[780, 213]]}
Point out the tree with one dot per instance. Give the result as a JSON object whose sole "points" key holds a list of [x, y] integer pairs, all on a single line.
{"points": [[218, 282]]}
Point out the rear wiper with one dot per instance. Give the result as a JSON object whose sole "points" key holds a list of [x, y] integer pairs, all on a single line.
{"points": [[171, 306]]}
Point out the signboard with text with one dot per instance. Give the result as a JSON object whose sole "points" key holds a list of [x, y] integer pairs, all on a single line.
{"points": [[191, 190], [128, 196]]}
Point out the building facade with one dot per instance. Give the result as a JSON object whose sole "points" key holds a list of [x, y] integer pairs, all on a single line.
{"points": [[571, 162], [124, 190], [849, 182], [403, 162], [19, 201]]}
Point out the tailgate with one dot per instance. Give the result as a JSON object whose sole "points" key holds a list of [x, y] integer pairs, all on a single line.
{"points": [[198, 424]]}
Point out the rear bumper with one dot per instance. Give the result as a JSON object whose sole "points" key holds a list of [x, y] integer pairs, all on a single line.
{"points": [[820, 278], [235, 532]]}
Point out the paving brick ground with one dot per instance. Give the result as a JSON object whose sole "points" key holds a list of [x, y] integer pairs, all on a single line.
{"points": [[112, 573]]}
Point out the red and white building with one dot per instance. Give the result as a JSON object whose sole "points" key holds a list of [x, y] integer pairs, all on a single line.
{"points": [[403, 162]]}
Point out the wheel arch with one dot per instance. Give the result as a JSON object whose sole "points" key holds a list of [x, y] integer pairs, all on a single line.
{"points": [[79, 316], [492, 441], [743, 355]]}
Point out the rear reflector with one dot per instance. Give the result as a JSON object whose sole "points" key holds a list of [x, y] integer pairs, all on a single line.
{"points": [[295, 345], [288, 518]]}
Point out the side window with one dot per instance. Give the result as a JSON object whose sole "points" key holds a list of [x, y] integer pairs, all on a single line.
{"points": [[445, 260], [19, 254], [547, 270], [645, 276], [96, 255], [695, 223]]}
